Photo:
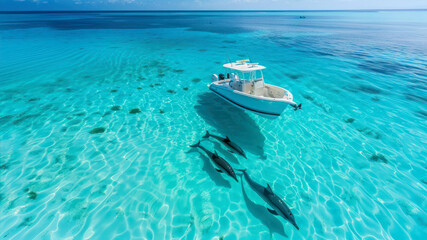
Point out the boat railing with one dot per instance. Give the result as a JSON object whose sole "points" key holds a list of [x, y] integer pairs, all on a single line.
{"points": [[257, 79]]}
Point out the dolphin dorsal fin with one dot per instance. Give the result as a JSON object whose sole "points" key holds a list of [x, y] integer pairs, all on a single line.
{"points": [[227, 139], [269, 188], [215, 154]]}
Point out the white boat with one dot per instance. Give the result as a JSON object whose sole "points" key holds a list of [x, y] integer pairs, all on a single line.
{"points": [[245, 89]]}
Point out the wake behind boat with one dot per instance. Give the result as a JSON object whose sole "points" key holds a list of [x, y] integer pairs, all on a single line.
{"points": [[245, 88]]}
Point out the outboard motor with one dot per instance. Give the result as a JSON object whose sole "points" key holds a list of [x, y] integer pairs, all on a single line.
{"points": [[221, 76], [228, 76], [214, 77]]}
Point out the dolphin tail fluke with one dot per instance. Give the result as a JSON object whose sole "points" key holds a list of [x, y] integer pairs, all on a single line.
{"points": [[196, 145], [207, 135]]}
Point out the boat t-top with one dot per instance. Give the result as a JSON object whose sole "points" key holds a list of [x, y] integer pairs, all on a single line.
{"points": [[245, 88]]}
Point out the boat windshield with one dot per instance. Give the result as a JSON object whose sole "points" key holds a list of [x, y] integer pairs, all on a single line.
{"points": [[251, 76]]}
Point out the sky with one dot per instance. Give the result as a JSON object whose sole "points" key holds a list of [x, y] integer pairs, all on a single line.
{"points": [[48, 5]]}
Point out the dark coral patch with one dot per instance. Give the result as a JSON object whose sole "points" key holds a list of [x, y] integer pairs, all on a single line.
{"points": [[116, 108], [178, 71], [27, 222], [349, 120], [80, 114], [97, 130], [32, 195], [369, 89], [106, 113], [416, 98], [196, 80], [363, 88], [388, 68], [171, 91], [185, 88], [293, 76], [24, 117], [378, 158], [139, 88], [5, 118], [60, 80], [229, 41], [114, 90], [422, 114], [380, 67], [161, 75], [308, 97], [157, 84], [418, 85], [135, 111], [4, 166], [369, 132]]}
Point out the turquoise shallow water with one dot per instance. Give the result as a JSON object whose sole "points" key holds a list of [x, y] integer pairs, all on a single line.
{"points": [[351, 164]]}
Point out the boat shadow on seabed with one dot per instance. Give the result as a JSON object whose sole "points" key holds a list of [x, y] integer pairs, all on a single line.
{"points": [[232, 122]]}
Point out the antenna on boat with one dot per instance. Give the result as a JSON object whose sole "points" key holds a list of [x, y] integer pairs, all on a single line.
{"points": [[229, 59], [228, 70], [249, 58]]}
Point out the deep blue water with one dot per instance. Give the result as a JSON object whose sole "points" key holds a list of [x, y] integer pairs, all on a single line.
{"points": [[74, 162]]}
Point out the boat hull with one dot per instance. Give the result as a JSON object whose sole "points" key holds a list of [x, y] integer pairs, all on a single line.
{"points": [[270, 108]]}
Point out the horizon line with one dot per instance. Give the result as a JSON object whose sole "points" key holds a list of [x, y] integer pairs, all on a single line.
{"points": [[329, 10]]}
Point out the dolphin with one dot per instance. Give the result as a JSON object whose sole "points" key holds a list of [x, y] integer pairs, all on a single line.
{"points": [[221, 164], [228, 143], [279, 206]]}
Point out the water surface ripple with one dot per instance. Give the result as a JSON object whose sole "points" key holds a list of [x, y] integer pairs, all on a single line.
{"points": [[97, 112]]}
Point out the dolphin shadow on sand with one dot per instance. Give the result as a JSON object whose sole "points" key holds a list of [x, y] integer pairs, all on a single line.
{"points": [[210, 170], [263, 215], [232, 122]]}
